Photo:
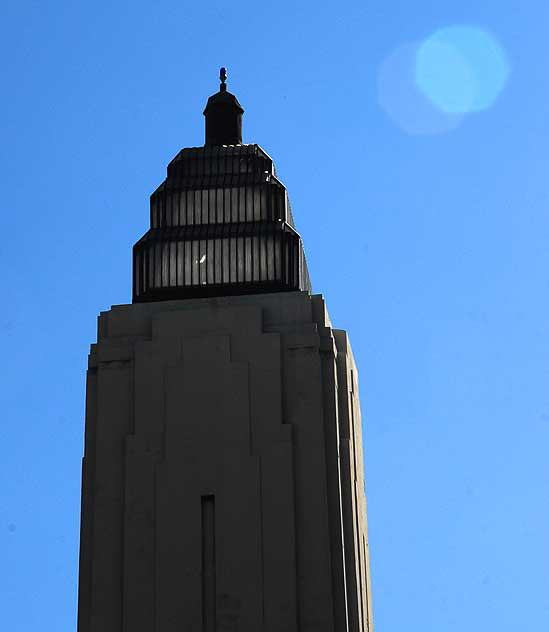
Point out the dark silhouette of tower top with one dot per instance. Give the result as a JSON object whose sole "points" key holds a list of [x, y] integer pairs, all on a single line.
{"points": [[221, 222], [223, 115]]}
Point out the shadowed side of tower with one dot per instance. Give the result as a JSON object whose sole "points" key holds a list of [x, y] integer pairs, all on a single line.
{"points": [[223, 480]]}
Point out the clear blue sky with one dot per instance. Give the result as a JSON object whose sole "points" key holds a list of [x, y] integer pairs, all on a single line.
{"points": [[426, 230]]}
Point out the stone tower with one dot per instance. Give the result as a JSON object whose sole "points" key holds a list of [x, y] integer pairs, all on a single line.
{"points": [[223, 485]]}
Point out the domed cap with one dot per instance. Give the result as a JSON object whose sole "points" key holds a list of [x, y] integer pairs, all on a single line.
{"points": [[223, 115]]}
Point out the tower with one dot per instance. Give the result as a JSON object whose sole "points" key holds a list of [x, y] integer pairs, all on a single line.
{"points": [[222, 485]]}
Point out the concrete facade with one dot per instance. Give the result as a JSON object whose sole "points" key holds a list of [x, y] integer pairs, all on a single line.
{"points": [[223, 483]]}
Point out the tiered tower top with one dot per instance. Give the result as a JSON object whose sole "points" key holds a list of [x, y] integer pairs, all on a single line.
{"points": [[221, 222]]}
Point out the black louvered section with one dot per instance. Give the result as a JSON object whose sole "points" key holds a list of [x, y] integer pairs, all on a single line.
{"points": [[220, 224]]}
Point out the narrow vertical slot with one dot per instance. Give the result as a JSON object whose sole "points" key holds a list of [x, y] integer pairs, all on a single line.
{"points": [[208, 564]]}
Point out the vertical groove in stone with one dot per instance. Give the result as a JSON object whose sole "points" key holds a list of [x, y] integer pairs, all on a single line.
{"points": [[208, 564]]}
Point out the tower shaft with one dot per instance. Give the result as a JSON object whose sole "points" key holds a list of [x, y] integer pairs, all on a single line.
{"points": [[222, 479]]}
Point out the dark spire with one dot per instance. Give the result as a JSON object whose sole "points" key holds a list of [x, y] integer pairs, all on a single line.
{"points": [[223, 116], [223, 78]]}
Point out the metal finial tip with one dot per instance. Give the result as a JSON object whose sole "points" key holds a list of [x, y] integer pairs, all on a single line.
{"points": [[223, 74]]}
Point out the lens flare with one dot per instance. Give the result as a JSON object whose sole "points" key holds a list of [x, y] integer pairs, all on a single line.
{"points": [[404, 102], [461, 69]]}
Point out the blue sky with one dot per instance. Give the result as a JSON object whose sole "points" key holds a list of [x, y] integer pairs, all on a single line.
{"points": [[426, 230]]}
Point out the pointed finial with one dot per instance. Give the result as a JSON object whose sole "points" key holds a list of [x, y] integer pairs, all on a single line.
{"points": [[223, 115], [222, 78]]}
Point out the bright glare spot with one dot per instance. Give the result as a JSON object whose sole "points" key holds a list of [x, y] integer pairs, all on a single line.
{"points": [[404, 102], [461, 69], [202, 259]]}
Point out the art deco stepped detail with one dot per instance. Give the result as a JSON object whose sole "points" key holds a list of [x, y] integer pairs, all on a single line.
{"points": [[222, 486]]}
